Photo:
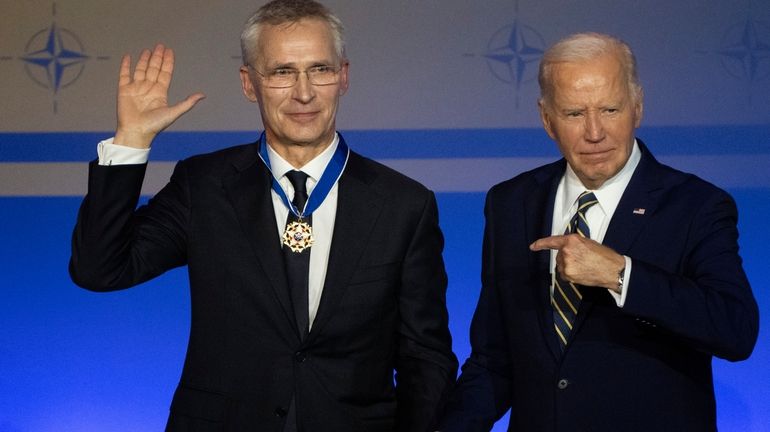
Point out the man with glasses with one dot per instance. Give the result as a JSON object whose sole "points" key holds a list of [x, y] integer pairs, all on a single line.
{"points": [[316, 276]]}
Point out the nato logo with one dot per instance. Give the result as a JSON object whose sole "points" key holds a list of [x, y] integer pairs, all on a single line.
{"points": [[54, 58], [513, 54], [745, 51], [744, 54]]}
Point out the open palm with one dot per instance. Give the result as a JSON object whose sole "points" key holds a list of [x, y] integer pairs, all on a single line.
{"points": [[143, 109]]}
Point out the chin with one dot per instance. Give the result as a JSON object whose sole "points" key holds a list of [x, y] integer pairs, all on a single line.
{"points": [[308, 140]]}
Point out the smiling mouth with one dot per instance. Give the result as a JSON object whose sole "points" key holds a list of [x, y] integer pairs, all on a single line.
{"points": [[302, 116]]}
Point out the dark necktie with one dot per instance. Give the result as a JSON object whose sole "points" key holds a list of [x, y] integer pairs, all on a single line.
{"points": [[566, 296], [298, 263]]}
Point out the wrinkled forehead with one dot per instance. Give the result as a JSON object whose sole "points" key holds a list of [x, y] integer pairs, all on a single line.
{"points": [[306, 40], [603, 77]]}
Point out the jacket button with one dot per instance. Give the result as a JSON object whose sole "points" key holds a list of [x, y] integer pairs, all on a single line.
{"points": [[563, 383], [299, 357], [280, 412]]}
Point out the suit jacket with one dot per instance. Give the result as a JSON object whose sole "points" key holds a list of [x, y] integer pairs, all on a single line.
{"points": [[643, 367], [382, 310]]}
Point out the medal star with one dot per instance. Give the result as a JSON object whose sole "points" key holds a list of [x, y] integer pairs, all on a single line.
{"points": [[298, 236]]}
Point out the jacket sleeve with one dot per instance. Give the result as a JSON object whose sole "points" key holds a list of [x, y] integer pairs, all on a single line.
{"points": [[704, 298], [425, 365], [115, 245], [482, 393]]}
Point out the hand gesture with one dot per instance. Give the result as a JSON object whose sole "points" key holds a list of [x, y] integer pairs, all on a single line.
{"points": [[583, 261], [143, 109]]}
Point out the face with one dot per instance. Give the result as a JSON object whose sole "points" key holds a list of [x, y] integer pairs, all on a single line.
{"points": [[592, 117], [302, 115]]}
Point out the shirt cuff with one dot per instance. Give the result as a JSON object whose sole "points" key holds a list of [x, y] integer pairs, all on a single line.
{"points": [[114, 154], [620, 299]]}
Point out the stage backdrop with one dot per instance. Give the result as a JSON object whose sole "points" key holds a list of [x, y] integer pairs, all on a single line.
{"points": [[443, 90]]}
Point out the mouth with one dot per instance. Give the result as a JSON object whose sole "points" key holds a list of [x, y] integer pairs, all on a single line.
{"points": [[596, 155], [302, 117]]}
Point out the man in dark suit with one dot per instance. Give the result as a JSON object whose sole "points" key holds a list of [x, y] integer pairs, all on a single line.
{"points": [[609, 280], [315, 273]]}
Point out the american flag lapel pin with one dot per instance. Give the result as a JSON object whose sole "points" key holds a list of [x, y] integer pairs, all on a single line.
{"points": [[639, 211]]}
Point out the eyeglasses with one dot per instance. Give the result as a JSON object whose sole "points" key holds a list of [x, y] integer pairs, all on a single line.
{"points": [[283, 77]]}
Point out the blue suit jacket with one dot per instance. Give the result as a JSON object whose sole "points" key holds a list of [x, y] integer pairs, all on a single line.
{"points": [[646, 366]]}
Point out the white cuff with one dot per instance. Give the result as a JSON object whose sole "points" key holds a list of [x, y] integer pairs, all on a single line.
{"points": [[620, 299], [115, 154]]}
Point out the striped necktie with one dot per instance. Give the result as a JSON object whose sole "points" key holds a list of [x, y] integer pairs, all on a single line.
{"points": [[566, 296]]}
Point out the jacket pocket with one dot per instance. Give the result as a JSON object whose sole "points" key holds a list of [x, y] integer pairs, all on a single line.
{"points": [[199, 404], [375, 273]]}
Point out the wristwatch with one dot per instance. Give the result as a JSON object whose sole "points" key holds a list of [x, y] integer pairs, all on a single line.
{"points": [[621, 275]]}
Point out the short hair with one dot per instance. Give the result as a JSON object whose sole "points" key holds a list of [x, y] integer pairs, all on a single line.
{"points": [[279, 12], [581, 47]]}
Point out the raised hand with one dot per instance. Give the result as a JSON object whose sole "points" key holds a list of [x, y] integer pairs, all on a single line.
{"points": [[143, 109]]}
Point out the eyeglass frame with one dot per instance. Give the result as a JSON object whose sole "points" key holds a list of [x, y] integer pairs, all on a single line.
{"points": [[296, 72]]}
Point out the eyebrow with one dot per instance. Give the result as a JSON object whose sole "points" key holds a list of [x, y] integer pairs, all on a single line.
{"points": [[282, 66], [293, 65]]}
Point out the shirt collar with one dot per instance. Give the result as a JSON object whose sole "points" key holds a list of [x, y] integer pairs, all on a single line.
{"points": [[314, 169]]}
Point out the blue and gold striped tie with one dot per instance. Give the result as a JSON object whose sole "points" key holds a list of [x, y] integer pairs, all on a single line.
{"points": [[566, 296]]}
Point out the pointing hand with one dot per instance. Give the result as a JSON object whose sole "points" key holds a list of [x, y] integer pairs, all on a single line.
{"points": [[583, 261]]}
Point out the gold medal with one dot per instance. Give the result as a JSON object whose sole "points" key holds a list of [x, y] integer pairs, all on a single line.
{"points": [[298, 236]]}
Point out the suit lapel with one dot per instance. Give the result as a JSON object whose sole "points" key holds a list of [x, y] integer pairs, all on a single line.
{"points": [[358, 207], [539, 222], [638, 203], [248, 190], [634, 209]]}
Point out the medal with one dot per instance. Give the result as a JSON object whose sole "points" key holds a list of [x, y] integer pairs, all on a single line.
{"points": [[298, 236]]}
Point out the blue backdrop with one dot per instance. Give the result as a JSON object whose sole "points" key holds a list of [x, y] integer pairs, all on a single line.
{"points": [[443, 91], [72, 360]]}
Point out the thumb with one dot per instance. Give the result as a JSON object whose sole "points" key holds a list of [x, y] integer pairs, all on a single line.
{"points": [[172, 113], [186, 105]]}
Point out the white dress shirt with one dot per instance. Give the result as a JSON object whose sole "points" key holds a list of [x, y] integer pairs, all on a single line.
{"points": [[323, 217], [599, 215]]}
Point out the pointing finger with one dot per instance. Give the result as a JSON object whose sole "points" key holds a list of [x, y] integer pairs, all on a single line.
{"points": [[552, 242]]}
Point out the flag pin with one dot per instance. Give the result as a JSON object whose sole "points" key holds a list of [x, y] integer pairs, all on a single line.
{"points": [[639, 211]]}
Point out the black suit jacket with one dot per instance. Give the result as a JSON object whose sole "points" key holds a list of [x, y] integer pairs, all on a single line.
{"points": [[382, 310], [643, 367]]}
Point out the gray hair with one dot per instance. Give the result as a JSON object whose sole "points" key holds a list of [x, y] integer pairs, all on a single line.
{"points": [[583, 47], [279, 12]]}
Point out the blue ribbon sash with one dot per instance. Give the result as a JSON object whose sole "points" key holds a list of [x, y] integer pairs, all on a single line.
{"points": [[330, 176]]}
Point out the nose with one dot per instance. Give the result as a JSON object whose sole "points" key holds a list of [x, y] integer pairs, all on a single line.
{"points": [[303, 90], [594, 129]]}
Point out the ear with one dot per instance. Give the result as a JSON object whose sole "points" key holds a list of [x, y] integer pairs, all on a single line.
{"points": [[344, 77], [639, 108], [545, 117], [247, 85]]}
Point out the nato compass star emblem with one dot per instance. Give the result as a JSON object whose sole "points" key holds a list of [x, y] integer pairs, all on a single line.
{"points": [[513, 53], [511, 50], [54, 58], [745, 52]]}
